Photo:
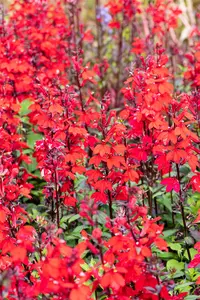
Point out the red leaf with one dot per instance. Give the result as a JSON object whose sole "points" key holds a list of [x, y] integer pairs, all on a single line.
{"points": [[51, 268], [82, 293], [70, 201], [78, 169], [195, 262], [171, 183], [77, 131], [197, 220], [161, 244], [146, 252], [131, 175], [102, 149], [113, 280], [120, 149], [93, 175], [166, 87], [56, 108], [103, 185], [195, 183], [2, 216], [115, 161], [197, 56], [95, 160], [198, 280], [98, 196], [18, 254]]}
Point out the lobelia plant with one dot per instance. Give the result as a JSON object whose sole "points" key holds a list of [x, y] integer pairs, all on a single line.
{"points": [[99, 152]]}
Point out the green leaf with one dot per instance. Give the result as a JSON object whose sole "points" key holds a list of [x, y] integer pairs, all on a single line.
{"points": [[72, 237], [194, 297], [184, 287], [166, 201], [166, 255], [174, 264], [189, 240], [178, 274], [182, 68], [169, 233], [66, 218], [34, 213], [85, 253], [106, 234], [159, 193], [175, 246], [80, 181], [193, 252], [33, 166], [74, 218], [37, 256], [78, 229], [24, 107], [85, 267], [185, 170], [101, 217], [32, 138]]}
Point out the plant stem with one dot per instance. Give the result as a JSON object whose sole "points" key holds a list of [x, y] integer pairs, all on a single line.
{"points": [[98, 29], [149, 193], [129, 222], [173, 219], [156, 206], [182, 211], [57, 200], [52, 210], [110, 205], [172, 202], [119, 63]]}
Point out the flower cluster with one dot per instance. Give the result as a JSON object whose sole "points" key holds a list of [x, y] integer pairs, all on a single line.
{"points": [[115, 129]]}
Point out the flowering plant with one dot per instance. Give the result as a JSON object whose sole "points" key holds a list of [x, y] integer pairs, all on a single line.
{"points": [[99, 150]]}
